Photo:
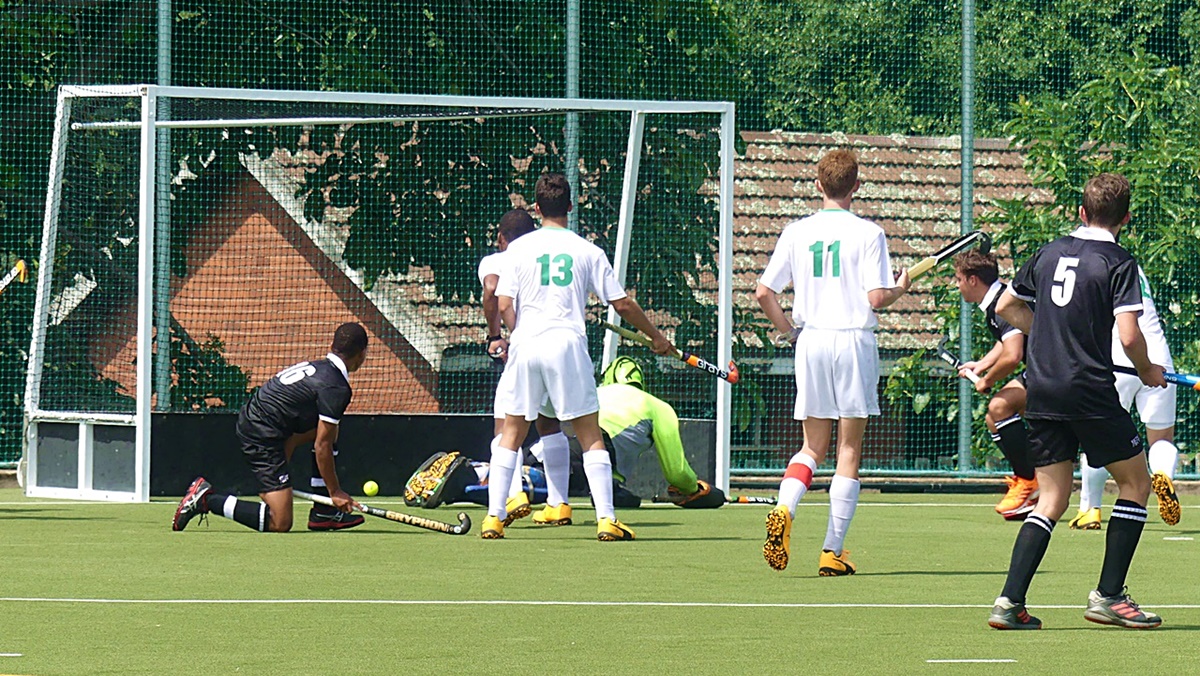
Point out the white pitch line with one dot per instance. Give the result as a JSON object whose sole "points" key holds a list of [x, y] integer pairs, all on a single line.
{"points": [[971, 661], [500, 602], [1179, 539], [11, 655]]}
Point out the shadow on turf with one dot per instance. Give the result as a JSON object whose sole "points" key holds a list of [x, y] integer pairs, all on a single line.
{"points": [[934, 572], [24, 514], [1091, 626]]}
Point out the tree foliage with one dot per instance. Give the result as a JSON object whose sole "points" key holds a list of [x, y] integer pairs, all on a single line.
{"points": [[1139, 118]]}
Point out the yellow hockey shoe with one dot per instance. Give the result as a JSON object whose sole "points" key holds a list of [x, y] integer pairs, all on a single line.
{"points": [[779, 537], [517, 508], [559, 515], [1087, 519], [834, 565], [611, 530], [492, 529]]}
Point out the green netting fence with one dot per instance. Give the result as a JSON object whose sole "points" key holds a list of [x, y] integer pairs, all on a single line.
{"points": [[279, 231]]}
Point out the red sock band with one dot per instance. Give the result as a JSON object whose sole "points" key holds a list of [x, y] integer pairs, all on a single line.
{"points": [[801, 471]]}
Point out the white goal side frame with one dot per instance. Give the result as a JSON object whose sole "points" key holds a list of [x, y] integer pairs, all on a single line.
{"points": [[150, 121]]}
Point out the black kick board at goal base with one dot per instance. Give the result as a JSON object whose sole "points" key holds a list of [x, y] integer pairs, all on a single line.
{"points": [[385, 449]]}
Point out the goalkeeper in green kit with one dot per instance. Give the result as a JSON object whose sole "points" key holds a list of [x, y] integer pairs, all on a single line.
{"points": [[636, 421]]}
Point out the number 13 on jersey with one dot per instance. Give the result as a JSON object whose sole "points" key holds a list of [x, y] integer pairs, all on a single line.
{"points": [[556, 270]]}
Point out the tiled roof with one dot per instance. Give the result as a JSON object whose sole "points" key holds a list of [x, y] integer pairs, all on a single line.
{"points": [[911, 187]]}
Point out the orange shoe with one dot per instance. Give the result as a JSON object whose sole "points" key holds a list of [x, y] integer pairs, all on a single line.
{"points": [[1022, 495]]}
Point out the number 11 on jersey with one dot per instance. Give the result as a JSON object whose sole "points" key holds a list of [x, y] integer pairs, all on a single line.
{"points": [[821, 252]]}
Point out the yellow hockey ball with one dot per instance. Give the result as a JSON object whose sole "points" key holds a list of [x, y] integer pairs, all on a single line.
{"points": [[370, 488]]}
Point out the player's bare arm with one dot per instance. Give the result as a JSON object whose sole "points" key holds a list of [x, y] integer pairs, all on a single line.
{"points": [[327, 434], [508, 312], [1015, 311], [491, 314], [1134, 344], [881, 298], [768, 300], [980, 366], [631, 312], [1012, 353]]}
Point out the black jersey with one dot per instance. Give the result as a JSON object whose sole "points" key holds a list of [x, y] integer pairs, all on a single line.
{"points": [[1080, 282], [294, 399], [999, 328]]}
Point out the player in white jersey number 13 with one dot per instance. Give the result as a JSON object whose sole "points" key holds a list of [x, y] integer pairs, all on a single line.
{"points": [[543, 292]]}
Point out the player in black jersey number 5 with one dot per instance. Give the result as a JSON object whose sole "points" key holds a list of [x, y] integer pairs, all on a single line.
{"points": [[1081, 284], [302, 403]]}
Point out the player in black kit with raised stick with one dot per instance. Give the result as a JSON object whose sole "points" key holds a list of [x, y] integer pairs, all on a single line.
{"points": [[300, 404], [1081, 283]]}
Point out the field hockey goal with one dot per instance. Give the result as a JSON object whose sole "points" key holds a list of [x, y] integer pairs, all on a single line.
{"points": [[198, 240]]}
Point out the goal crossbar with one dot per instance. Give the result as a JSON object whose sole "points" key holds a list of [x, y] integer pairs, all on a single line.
{"points": [[431, 100]]}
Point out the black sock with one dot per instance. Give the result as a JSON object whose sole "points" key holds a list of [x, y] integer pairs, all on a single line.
{"points": [[316, 482], [1124, 531], [1032, 540], [254, 515], [1013, 440]]}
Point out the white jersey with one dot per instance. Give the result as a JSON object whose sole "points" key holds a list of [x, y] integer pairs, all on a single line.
{"points": [[1156, 341], [549, 273], [491, 264], [832, 258]]}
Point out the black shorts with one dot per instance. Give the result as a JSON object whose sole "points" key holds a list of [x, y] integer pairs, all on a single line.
{"points": [[269, 464], [1105, 440]]}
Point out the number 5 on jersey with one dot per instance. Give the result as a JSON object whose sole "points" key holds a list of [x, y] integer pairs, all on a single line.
{"points": [[556, 270], [1064, 281]]}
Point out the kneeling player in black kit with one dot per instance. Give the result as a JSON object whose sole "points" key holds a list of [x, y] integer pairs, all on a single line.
{"points": [[300, 404]]}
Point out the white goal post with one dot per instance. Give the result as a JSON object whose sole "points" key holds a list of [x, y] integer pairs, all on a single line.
{"points": [[102, 452]]}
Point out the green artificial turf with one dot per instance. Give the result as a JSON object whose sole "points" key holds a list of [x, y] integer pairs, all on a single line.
{"points": [[554, 600]]}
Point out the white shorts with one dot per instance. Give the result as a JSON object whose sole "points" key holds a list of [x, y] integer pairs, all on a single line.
{"points": [[837, 374], [498, 406], [553, 366], [1155, 405]]}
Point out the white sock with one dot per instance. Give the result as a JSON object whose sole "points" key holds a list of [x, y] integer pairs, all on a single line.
{"points": [[535, 449], [1091, 492], [515, 487], [504, 463], [843, 499], [598, 468], [794, 484], [227, 507], [1163, 458], [556, 457]]}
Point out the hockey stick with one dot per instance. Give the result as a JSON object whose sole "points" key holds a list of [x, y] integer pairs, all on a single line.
{"points": [[17, 273], [957, 246], [952, 359], [463, 525], [752, 500], [731, 376], [732, 500], [1174, 378]]}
